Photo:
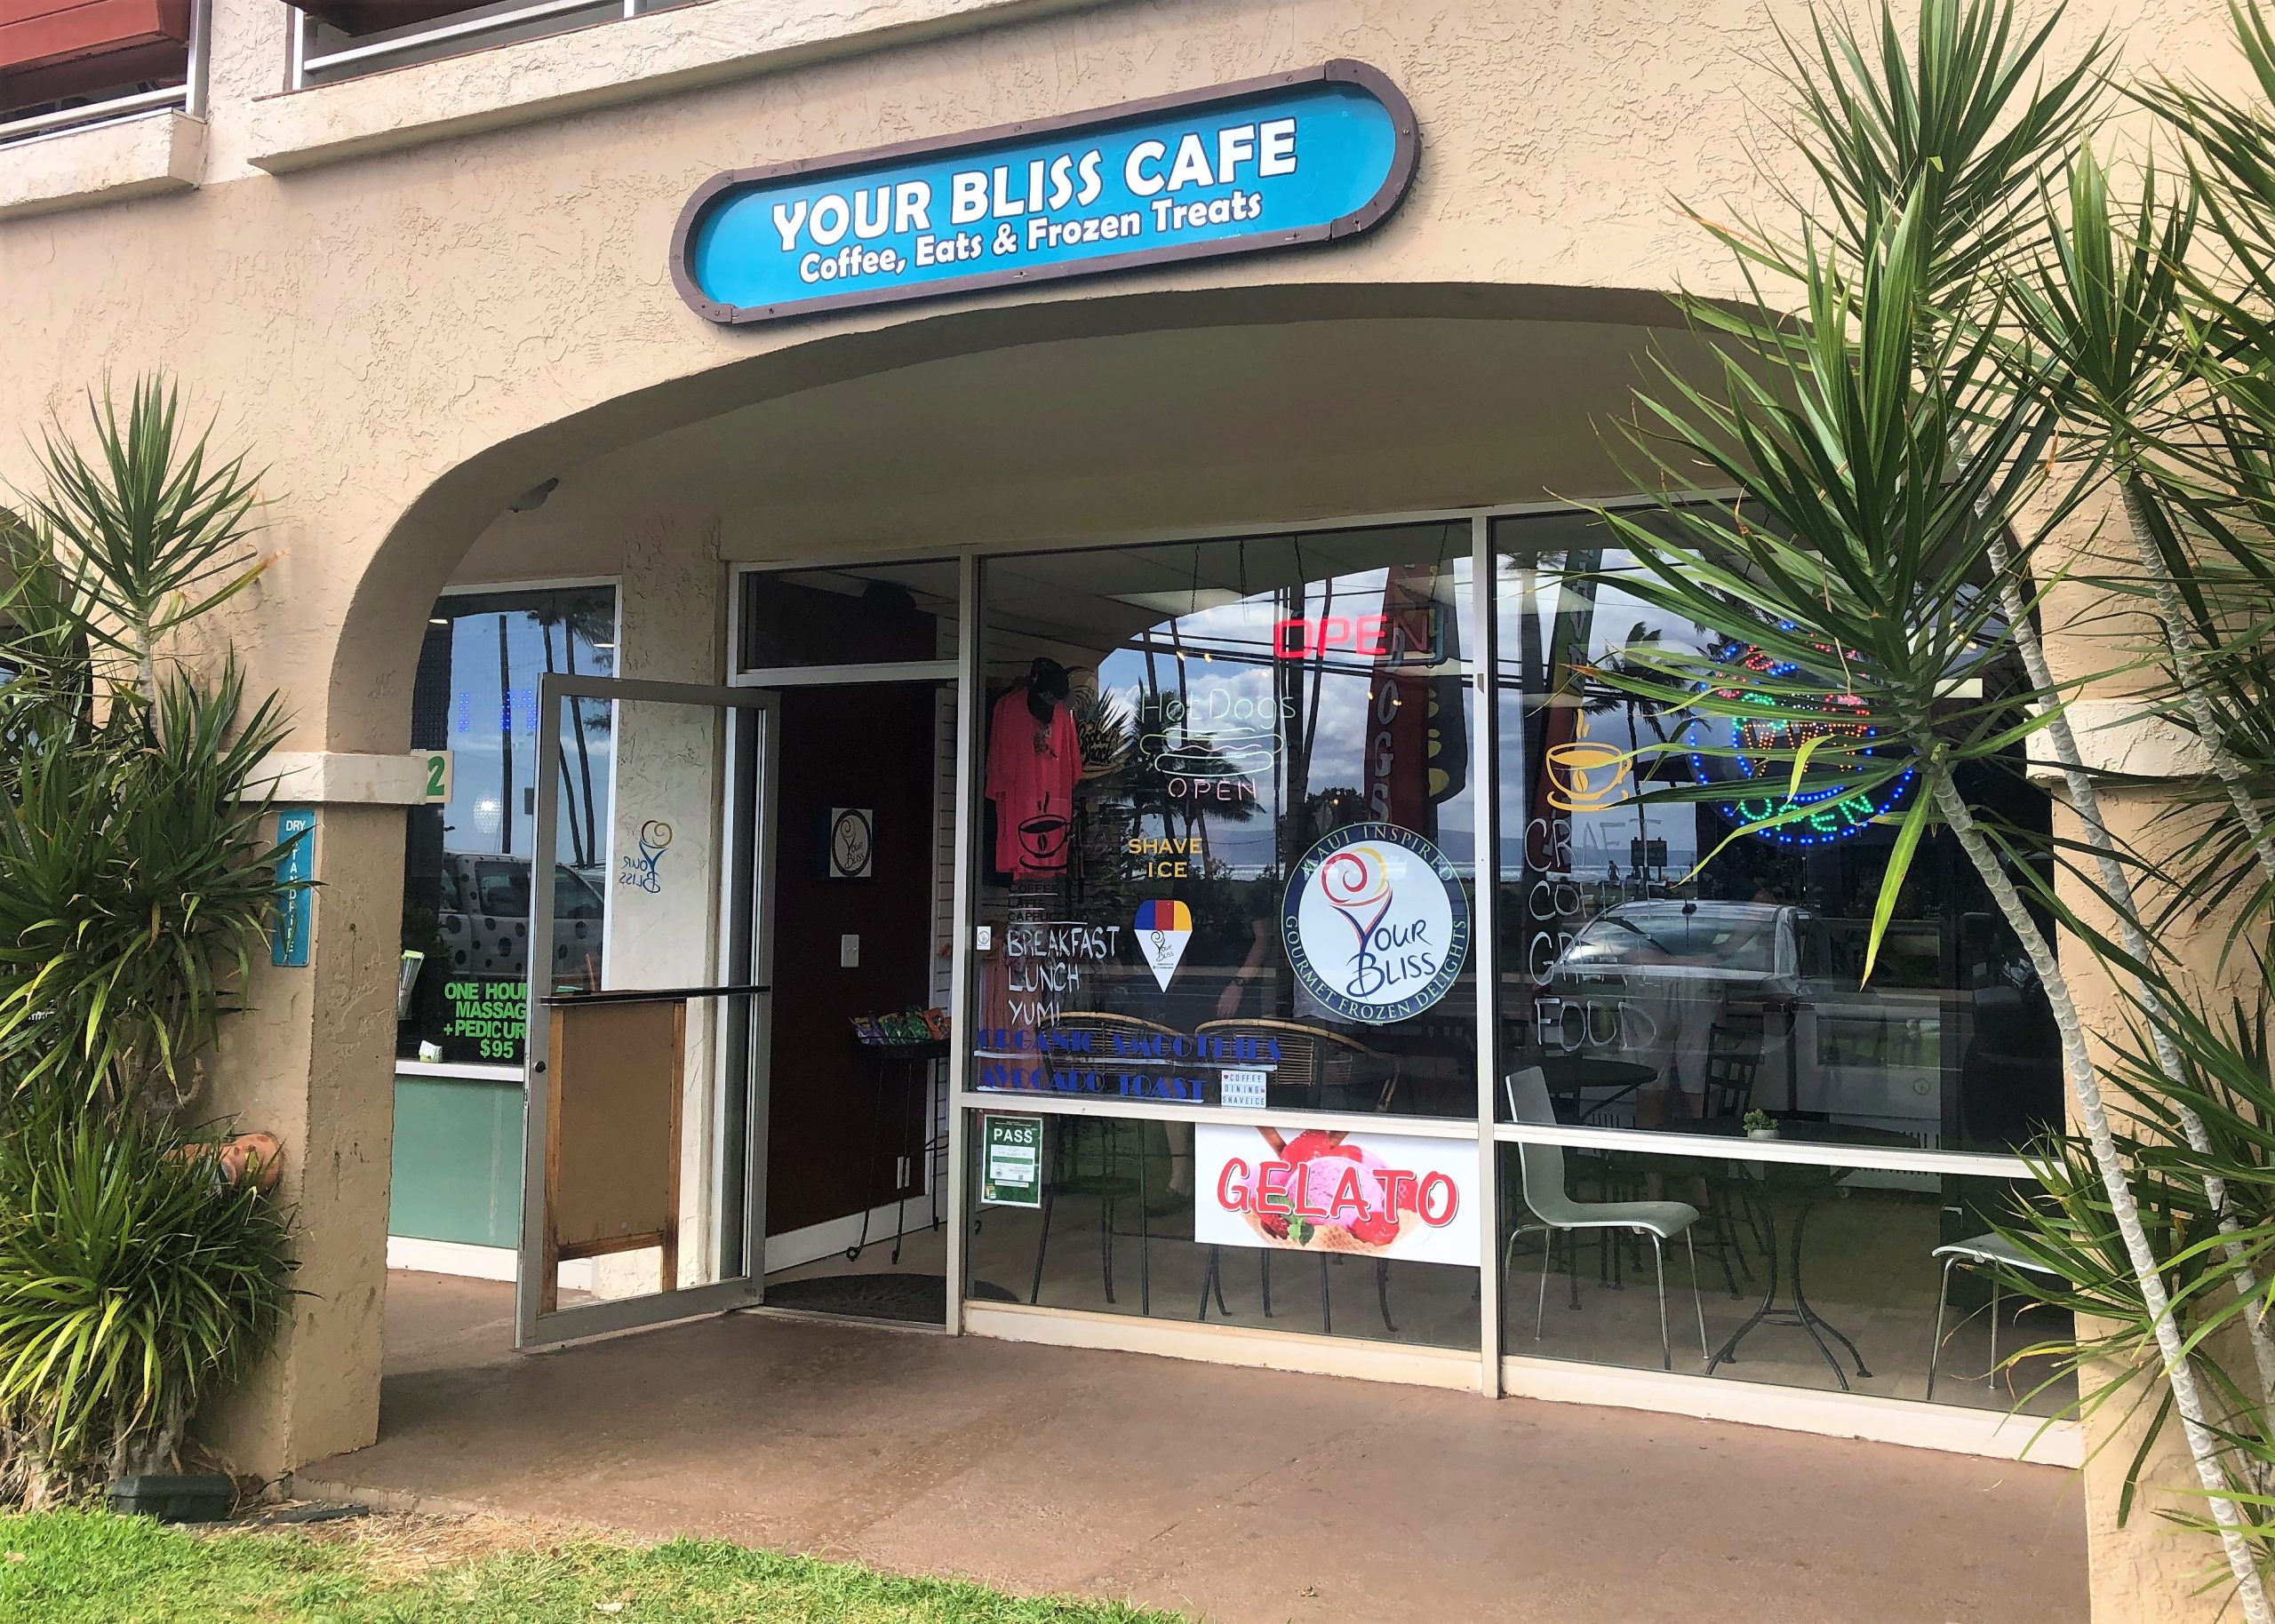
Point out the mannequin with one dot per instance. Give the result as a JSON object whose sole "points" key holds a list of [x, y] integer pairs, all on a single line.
{"points": [[1048, 687]]}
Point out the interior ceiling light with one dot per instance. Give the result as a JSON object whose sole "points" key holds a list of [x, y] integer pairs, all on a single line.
{"points": [[1191, 601]]}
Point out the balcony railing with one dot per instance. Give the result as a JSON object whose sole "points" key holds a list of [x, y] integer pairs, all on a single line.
{"points": [[104, 80], [323, 52]]}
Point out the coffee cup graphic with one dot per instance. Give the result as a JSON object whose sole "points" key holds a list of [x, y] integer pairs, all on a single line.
{"points": [[1043, 837]]}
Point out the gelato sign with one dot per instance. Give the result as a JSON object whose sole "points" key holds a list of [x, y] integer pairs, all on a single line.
{"points": [[1297, 158], [1374, 1195]]}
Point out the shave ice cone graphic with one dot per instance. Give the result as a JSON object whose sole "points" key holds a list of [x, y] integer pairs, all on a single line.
{"points": [[1164, 928]]}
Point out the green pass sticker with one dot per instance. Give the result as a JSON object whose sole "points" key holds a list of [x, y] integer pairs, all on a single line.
{"points": [[1011, 1161]]}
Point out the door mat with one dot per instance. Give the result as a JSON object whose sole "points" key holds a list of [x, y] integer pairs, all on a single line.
{"points": [[918, 1299]]}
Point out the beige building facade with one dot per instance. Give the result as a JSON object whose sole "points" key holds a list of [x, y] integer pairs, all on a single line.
{"points": [[425, 279]]}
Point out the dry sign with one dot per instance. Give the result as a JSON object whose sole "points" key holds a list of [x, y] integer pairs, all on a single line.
{"points": [[1297, 158]]}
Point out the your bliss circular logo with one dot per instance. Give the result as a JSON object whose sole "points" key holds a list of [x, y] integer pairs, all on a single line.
{"points": [[1376, 923]]}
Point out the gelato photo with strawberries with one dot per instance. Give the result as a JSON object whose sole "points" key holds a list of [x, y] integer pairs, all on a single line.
{"points": [[1320, 1189]]}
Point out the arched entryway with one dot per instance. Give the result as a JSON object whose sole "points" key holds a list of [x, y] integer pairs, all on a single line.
{"points": [[1065, 423]]}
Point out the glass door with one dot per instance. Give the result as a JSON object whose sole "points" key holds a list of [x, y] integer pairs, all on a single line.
{"points": [[647, 1001]]}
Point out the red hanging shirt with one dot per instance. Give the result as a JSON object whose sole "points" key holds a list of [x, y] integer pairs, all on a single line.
{"points": [[1032, 768]]}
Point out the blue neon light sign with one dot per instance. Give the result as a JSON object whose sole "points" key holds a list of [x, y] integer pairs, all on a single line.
{"points": [[1832, 812]]}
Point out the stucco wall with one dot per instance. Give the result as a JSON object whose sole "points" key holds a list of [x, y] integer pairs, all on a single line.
{"points": [[374, 324], [2145, 1570], [313, 1063]]}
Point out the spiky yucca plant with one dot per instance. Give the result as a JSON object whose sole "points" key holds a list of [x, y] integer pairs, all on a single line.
{"points": [[135, 1282], [137, 878], [135, 882], [1886, 444]]}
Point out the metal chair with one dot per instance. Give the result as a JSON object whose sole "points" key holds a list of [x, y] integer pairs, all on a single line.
{"points": [[1982, 1251], [1732, 1063], [1727, 1075], [1554, 1212]]}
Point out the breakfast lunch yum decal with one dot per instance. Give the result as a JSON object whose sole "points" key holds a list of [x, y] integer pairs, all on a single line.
{"points": [[1376, 923], [1377, 1195]]}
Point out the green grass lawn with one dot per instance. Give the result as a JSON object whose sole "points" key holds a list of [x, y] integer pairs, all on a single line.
{"points": [[81, 1568]]}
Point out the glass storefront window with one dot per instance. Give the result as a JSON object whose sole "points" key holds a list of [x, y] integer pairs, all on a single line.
{"points": [[1106, 1233], [468, 866], [1822, 1276], [1663, 970], [1229, 824], [1225, 864], [863, 615]]}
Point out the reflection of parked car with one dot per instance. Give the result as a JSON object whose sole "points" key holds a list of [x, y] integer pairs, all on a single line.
{"points": [[1752, 944], [1653, 981], [484, 921]]}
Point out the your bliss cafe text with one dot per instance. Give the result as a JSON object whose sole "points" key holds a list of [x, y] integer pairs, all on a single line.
{"points": [[1017, 207]]}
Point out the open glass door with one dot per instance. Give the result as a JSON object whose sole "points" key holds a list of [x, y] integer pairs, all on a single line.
{"points": [[647, 1004]]}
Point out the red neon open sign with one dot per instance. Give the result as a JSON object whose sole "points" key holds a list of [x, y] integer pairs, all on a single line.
{"points": [[1302, 635], [1410, 637]]}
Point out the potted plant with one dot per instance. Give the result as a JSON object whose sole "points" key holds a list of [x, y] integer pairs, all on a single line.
{"points": [[1761, 1125]]}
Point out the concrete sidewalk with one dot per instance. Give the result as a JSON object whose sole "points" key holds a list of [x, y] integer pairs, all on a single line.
{"points": [[1248, 1497]]}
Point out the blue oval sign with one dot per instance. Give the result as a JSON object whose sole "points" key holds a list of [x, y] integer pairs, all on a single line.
{"points": [[1301, 157]]}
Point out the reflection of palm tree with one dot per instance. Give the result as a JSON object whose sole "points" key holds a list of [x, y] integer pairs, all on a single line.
{"points": [[1310, 669], [579, 839], [590, 616], [1596, 697], [1184, 702], [505, 739], [1107, 732], [1330, 810]]}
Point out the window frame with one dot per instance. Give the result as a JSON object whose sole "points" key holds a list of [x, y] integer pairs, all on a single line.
{"points": [[1498, 1367], [477, 1070]]}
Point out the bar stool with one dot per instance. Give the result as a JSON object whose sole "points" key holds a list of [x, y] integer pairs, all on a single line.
{"points": [[1337, 1073], [1101, 1157]]}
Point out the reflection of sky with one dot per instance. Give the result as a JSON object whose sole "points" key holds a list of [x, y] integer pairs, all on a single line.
{"points": [[1602, 841], [1224, 678], [495, 735]]}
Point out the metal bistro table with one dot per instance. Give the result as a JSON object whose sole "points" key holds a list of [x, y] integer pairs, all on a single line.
{"points": [[1808, 1184], [1572, 1077]]}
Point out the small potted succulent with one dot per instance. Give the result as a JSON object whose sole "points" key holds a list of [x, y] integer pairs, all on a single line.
{"points": [[1761, 1125]]}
